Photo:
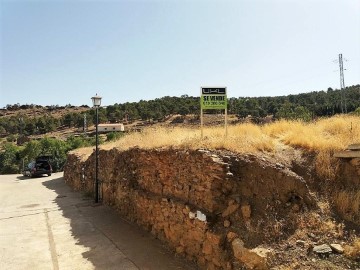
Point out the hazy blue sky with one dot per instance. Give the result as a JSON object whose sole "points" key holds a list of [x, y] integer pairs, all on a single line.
{"points": [[61, 52]]}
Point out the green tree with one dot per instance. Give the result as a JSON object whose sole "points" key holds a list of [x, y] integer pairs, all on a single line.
{"points": [[30, 127], [357, 111], [68, 120], [77, 142], [9, 159], [31, 150], [113, 136], [285, 111], [302, 113]]}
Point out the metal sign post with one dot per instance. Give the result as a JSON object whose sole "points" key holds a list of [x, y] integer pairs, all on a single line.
{"points": [[213, 98]]}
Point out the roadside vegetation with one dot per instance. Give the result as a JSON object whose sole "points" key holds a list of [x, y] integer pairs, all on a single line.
{"points": [[13, 157]]}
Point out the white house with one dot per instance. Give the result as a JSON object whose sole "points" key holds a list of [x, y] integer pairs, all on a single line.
{"points": [[110, 127]]}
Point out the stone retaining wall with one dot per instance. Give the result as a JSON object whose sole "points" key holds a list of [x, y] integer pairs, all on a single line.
{"points": [[212, 208]]}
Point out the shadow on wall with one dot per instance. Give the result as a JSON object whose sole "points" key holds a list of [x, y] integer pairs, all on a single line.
{"points": [[110, 241]]}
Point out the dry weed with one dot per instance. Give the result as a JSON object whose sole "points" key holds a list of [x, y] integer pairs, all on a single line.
{"points": [[326, 166], [315, 223], [353, 251], [246, 138], [347, 204], [333, 133], [323, 136]]}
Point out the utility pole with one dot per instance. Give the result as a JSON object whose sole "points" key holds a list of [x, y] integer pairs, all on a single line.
{"points": [[342, 85]]}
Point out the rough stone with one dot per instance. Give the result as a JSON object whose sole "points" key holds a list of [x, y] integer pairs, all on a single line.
{"points": [[300, 243], [180, 249], [322, 249], [207, 248], [246, 211], [230, 209], [337, 248], [231, 236], [252, 259], [213, 238], [227, 223]]}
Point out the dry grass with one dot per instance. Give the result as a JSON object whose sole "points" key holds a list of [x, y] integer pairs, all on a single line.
{"points": [[347, 203], [322, 136], [333, 133], [353, 251], [326, 165], [318, 224], [247, 138]]}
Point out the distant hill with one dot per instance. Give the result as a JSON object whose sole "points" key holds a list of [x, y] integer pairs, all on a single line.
{"points": [[35, 119]]}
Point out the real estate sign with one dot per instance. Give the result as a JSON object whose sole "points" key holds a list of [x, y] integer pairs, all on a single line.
{"points": [[213, 98]]}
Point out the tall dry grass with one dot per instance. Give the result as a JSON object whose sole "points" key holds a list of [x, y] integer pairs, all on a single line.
{"points": [[333, 133], [322, 136], [348, 204], [247, 138]]}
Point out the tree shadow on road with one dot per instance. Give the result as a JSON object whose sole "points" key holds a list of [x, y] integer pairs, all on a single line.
{"points": [[111, 242]]}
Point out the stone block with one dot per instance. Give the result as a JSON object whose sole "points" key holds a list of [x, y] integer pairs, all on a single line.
{"points": [[246, 211], [213, 238], [230, 209], [250, 258], [231, 236], [207, 247]]}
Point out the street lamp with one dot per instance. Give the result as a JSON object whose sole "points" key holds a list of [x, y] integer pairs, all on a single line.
{"points": [[96, 103]]}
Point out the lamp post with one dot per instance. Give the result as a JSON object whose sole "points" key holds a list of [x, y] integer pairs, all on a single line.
{"points": [[96, 103]]}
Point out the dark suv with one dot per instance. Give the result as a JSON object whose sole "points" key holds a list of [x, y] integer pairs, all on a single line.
{"points": [[40, 166]]}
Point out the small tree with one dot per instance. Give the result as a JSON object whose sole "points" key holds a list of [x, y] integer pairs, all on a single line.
{"points": [[9, 159], [357, 111], [302, 113], [113, 136]]}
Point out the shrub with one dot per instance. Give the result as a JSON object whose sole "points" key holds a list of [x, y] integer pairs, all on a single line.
{"points": [[113, 136], [9, 159], [353, 251]]}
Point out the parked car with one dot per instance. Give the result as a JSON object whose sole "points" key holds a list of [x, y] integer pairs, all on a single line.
{"points": [[39, 166]]}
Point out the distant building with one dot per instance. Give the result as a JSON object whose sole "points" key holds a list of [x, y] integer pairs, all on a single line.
{"points": [[110, 127]]}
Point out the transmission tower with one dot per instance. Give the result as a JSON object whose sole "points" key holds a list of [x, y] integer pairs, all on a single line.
{"points": [[342, 85], [85, 124]]}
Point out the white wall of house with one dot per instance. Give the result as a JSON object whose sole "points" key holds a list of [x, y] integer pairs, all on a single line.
{"points": [[110, 127]]}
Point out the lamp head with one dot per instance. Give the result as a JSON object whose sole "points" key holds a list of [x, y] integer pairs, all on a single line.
{"points": [[96, 101]]}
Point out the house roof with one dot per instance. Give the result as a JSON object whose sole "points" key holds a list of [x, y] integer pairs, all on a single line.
{"points": [[110, 125]]}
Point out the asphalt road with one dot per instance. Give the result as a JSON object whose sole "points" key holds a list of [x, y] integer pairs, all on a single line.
{"points": [[45, 225]]}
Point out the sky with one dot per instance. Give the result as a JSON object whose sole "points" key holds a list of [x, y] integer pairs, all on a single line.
{"points": [[65, 51]]}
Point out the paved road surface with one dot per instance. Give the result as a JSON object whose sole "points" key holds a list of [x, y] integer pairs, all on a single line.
{"points": [[44, 225]]}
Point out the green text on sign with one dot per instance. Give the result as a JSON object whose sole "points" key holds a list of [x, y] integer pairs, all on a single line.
{"points": [[213, 102]]}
